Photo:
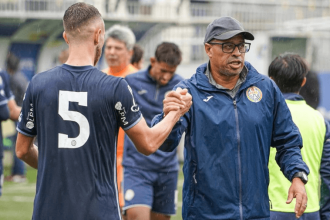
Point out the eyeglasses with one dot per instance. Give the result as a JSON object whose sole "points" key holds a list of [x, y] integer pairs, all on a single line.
{"points": [[230, 47]]}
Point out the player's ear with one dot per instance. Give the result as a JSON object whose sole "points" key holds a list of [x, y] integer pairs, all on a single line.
{"points": [[152, 61], [97, 36], [303, 82], [208, 49], [65, 37]]}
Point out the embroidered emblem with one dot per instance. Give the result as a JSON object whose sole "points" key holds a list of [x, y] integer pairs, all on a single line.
{"points": [[254, 94]]}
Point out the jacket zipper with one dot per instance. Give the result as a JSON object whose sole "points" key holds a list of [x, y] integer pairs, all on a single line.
{"points": [[157, 92], [239, 161]]}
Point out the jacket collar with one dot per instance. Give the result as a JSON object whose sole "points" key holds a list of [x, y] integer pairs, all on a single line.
{"points": [[200, 80], [293, 96]]}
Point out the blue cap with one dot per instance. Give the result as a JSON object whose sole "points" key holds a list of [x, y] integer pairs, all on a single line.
{"points": [[224, 28]]}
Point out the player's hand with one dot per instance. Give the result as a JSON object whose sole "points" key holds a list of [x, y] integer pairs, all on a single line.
{"points": [[297, 190], [179, 100], [186, 98]]}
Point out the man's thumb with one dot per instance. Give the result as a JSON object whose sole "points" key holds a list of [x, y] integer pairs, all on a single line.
{"points": [[183, 91], [290, 197]]}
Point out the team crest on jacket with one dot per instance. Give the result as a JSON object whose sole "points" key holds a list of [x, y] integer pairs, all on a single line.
{"points": [[254, 94]]}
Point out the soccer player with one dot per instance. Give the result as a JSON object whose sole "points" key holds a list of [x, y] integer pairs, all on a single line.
{"points": [[76, 111], [289, 72], [118, 51], [150, 183]]}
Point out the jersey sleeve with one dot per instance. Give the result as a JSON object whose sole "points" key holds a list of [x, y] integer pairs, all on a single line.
{"points": [[127, 111], [27, 119]]}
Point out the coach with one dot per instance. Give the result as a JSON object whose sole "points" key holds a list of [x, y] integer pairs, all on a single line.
{"points": [[237, 114]]}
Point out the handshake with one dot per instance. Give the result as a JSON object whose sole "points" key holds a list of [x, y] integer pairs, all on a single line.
{"points": [[178, 101]]}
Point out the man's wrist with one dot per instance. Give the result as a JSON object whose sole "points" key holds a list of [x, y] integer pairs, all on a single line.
{"points": [[301, 175]]}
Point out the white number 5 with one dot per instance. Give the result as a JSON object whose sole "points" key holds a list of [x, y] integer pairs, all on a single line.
{"points": [[63, 110]]}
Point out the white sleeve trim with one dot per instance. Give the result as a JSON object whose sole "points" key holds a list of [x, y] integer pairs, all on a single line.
{"points": [[132, 125]]}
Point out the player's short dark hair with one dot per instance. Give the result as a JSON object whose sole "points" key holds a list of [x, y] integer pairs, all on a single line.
{"points": [[168, 53], [288, 72], [12, 63], [137, 54], [311, 90], [78, 15]]}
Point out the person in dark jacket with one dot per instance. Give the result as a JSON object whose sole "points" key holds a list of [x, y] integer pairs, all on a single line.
{"points": [[151, 180], [236, 115], [18, 85]]}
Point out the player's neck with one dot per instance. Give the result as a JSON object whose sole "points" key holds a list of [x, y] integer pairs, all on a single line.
{"points": [[81, 56]]}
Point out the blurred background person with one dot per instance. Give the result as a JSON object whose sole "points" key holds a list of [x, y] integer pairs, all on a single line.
{"points": [[137, 58], [63, 56], [118, 52], [150, 182], [18, 84], [289, 73], [311, 90], [6, 97], [4, 115]]}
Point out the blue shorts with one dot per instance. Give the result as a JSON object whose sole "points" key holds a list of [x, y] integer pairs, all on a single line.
{"points": [[292, 216], [156, 190]]}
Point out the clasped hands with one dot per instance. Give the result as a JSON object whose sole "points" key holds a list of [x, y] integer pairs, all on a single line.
{"points": [[179, 100]]}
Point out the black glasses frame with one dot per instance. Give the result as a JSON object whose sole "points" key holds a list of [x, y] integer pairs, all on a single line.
{"points": [[235, 45]]}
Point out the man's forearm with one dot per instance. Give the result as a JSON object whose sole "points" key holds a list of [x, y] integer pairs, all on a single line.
{"points": [[31, 157], [148, 140], [26, 150]]}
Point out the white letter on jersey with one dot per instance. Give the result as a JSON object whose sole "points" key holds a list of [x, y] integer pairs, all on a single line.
{"points": [[63, 110]]}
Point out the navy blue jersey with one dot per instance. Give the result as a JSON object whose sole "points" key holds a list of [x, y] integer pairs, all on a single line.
{"points": [[76, 113], [149, 96]]}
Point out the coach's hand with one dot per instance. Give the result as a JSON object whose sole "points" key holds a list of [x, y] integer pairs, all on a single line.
{"points": [[179, 100], [297, 190]]}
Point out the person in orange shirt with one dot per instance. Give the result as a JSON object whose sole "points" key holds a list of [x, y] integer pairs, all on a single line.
{"points": [[118, 52]]}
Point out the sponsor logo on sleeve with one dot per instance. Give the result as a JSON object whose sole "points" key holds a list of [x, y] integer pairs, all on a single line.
{"points": [[30, 118], [254, 94], [121, 110], [135, 107], [30, 125]]}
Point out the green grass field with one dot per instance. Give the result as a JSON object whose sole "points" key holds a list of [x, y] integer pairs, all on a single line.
{"points": [[16, 202]]}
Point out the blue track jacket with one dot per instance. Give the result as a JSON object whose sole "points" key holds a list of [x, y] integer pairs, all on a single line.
{"points": [[227, 147], [149, 96]]}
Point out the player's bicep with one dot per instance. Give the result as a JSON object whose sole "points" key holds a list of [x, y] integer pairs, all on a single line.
{"points": [[23, 144]]}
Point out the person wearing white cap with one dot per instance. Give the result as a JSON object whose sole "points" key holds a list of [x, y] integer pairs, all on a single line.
{"points": [[236, 115]]}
